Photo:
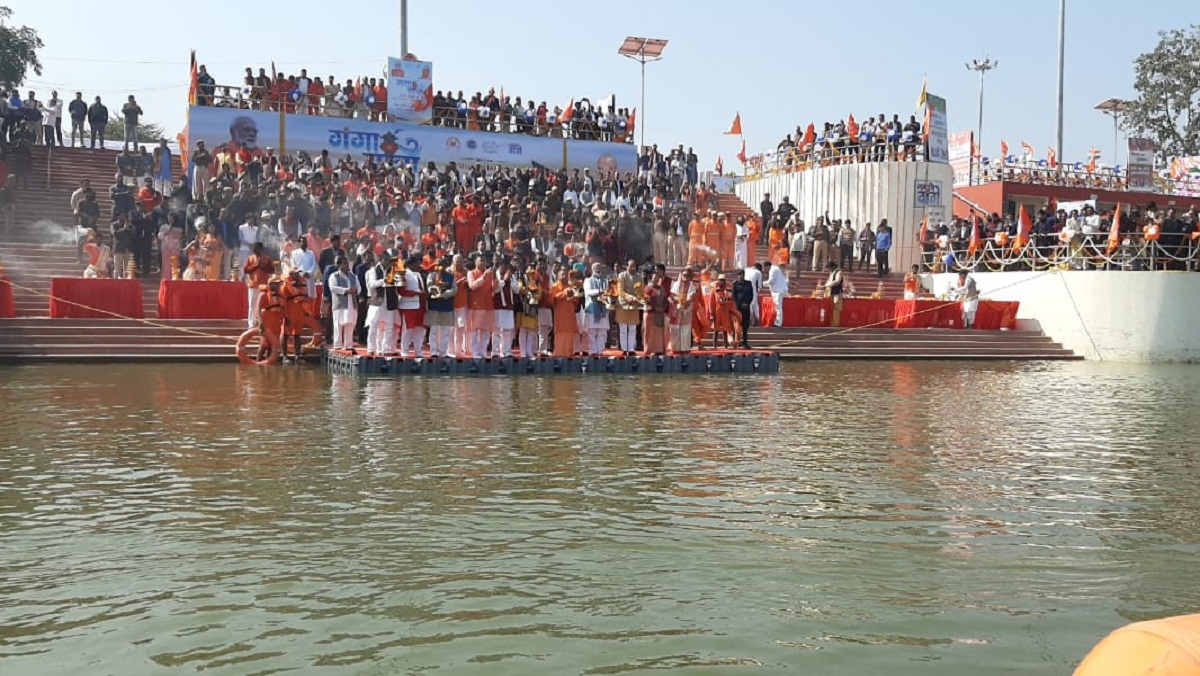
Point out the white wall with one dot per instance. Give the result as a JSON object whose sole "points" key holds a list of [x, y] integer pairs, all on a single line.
{"points": [[870, 191], [1105, 315]]}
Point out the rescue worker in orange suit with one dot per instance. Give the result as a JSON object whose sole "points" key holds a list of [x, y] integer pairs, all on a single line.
{"points": [[295, 296], [270, 310]]}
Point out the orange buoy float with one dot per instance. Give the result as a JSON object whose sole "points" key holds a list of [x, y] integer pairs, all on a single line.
{"points": [[259, 346], [1166, 647], [1001, 238], [1151, 232]]}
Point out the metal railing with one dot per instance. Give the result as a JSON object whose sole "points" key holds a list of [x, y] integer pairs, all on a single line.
{"points": [[828, 153], [1059, 252], [337, 104], [1077, 175]]}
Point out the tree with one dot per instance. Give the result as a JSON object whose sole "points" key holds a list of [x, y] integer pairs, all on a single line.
{"points": [[1167, 80], [146, 132], [18, 52]]}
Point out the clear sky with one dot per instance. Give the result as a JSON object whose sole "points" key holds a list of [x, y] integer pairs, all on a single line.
{"points": [[779, 63]]}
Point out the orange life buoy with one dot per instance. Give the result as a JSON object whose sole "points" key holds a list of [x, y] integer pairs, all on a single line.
{"points": [[1001, 238], [258, 346], [1151, 231], [1064, 236]]}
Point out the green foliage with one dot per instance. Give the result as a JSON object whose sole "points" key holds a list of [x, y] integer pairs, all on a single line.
{"points": [[1167, 80], [146, 133], [18, 52]]}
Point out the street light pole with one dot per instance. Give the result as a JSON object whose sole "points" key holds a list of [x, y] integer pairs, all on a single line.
{"points": [[643, 50], [1062, 38], [403, 28], [981, 67]]}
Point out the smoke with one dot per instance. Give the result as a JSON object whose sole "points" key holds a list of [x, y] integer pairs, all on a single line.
{"points": [[50, 233]]}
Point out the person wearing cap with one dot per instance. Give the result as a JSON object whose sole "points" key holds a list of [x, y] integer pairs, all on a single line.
{"points": [[257, 270]]}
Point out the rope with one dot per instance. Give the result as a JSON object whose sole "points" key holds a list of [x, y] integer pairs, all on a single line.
{"points": [[800, 341], [117, 315]]}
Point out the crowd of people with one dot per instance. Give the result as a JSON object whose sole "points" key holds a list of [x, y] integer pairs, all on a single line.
{"points": [[1081, 238], [876, 139], [366, 98]]}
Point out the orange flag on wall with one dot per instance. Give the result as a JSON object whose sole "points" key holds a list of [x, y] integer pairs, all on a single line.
{"points": [[742, 153], [973, 245], [736, 127], [852, 127], [1003, 148], [720, 166], [1114, 232], [1051, 157], [1024, 229], [569, 112], [810, 134]]}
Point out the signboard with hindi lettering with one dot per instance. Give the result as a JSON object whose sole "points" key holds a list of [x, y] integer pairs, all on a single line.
{"points": [[959, 153], [1141, 164], [935, 120], [410, 90], [230, 129]]}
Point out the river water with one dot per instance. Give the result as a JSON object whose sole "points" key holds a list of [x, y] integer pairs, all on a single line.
{"points": [[839, 518]]}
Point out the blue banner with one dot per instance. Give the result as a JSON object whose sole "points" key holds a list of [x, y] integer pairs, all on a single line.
{"points": [[222, 128]]}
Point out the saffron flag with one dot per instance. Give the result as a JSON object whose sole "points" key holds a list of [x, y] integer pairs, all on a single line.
{"points": [[1003, 148], [926, 123], [1051, 157], [736, 127], [720, 168], [810, 135], [1024, 229], [974, 150], [569, 112], [193, 82], [1093, 157], [923, 230], [632, 121], [742, 154], [924, 92], [973, 245], [1114, 231], [852, 127], [1027, 148]]}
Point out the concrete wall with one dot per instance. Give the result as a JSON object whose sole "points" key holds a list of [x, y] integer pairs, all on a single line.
{"points": [[870, 191], [1105, 315]]}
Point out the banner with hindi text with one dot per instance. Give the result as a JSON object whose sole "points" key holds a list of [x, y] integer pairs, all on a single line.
{"points": [[959, 154], [229, 128], [1141, 164], [939, 134], [410, 90]]}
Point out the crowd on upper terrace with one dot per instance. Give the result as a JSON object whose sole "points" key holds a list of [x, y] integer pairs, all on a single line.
{"points": [[366, 98]]}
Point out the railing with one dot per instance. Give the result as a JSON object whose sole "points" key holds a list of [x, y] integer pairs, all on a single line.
{"points": [[1057, 252], [336, 104], [1076, 175], [828, 154]]}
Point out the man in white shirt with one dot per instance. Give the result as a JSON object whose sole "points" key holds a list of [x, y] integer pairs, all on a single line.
{"points": [[777, 284], [304, 261], [343, 287], [754, 276], [740, 246], [248, 237], [685, 294], [411, 317], [966, 292], [51, 119]]}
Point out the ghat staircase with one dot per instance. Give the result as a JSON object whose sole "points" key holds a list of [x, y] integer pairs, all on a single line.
{"points": [[43, 246]]}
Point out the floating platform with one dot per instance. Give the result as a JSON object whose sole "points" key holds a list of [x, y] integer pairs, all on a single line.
{"points": [[698, 363]]}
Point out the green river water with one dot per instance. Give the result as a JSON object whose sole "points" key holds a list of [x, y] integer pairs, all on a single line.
{"points": [[939, 518]]}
